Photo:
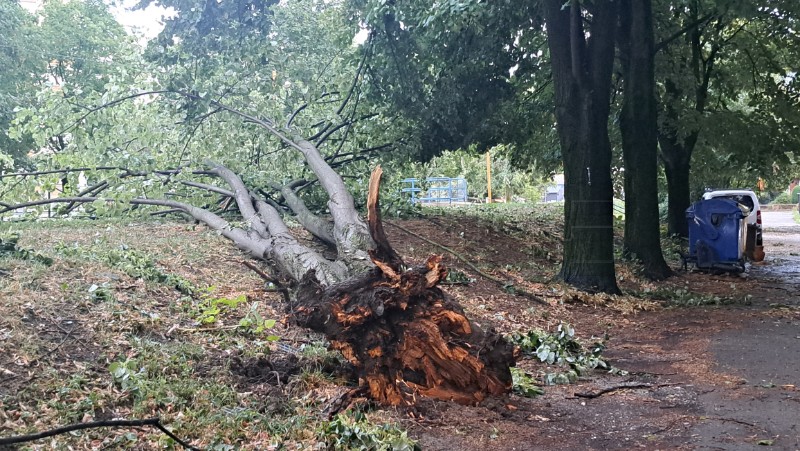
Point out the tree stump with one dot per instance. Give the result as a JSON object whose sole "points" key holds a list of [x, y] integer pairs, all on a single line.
{"points": [[404, 335]]}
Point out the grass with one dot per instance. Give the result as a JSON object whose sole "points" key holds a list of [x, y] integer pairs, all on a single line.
{"points": [[136, 320]]}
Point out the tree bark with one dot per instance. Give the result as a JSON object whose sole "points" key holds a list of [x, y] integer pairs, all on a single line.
{"points": [[639, 130], [582, 81], [676, 158]]}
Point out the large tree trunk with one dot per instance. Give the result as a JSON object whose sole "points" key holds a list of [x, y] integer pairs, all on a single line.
{"points": [[639, 139], [582, 80], [676, 158], [403, 334]]}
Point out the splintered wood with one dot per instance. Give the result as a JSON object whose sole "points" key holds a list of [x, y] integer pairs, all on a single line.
{"points": [[405, 337]]}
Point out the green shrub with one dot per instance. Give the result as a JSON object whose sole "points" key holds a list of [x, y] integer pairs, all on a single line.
{"points": [[782, 198]]}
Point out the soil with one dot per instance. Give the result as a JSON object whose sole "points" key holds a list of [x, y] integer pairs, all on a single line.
{"points": [[716, 369], [713, 377]]}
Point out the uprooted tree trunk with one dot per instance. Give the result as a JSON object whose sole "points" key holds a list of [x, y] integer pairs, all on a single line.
{"points": [[405, 337]]}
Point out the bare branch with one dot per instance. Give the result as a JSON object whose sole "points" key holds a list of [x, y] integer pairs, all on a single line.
{"points": [[90, 191], [242, 196], [357, 77], [294, 115], [294, 259], [207, 187], [59, 171], [330, 131], [4, 441], [255, 246], [694, 24], [350, 232], [318, 227], [110, 104]]}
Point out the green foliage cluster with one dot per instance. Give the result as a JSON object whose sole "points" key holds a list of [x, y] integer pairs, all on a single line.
{"points": [[134, 263], [561, 349], [682, 297], [355, 432], [211, 309], [782, 198], [9, 247], [524, 384]]}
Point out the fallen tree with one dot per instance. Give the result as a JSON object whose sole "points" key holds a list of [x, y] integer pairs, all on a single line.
{"points": [[405, 336]]}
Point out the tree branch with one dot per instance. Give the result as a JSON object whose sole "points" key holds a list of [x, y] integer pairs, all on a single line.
{"points": [[350, 232], [95, 424], [60, 171], [242, 196], [207, 187], [666, 42], [93, 190], [318, 227], [357, 76], [296, 112]]}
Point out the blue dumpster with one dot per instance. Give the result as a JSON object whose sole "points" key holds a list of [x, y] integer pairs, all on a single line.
{"points": [[716, 234]]}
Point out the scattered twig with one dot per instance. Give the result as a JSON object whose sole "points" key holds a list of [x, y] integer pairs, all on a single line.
{"points": [[278, 286], [497, 280], [207, 329], [95, 424], [599, 393], [66, 336], [734, 420]]}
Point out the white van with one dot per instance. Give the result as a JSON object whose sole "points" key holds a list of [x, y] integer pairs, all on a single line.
{"points": [[754, 243]]}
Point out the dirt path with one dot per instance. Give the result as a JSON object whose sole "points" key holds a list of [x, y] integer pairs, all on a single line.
{"points": [[711, 377], [764, 350]]}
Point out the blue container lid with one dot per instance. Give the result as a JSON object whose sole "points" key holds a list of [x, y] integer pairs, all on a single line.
{"points": [[718, 206]]}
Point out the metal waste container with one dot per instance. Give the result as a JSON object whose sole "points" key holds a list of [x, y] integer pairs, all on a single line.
{"points": [[716, 234]]}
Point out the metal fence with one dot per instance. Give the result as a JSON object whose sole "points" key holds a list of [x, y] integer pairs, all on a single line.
{"points": [[436, 190]]}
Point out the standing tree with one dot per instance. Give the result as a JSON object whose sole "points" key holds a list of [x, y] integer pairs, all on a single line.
{"points": [[728, 77], [639, 138], [581, 40]]}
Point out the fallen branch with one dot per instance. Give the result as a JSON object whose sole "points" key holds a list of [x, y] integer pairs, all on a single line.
{"points": [[503, 283], [91, 425]]}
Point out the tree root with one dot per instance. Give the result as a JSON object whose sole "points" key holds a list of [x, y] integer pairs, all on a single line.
{"points": [[403, 335]]}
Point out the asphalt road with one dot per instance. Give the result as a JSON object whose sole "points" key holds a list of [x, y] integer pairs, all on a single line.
{"points": [[778, 220]]}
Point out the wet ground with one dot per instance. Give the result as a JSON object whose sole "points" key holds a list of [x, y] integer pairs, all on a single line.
{"points": [[764, 350], [719, 377]]}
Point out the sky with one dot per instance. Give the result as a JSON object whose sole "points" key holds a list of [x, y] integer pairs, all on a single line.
{"points": [[144, 23]]}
